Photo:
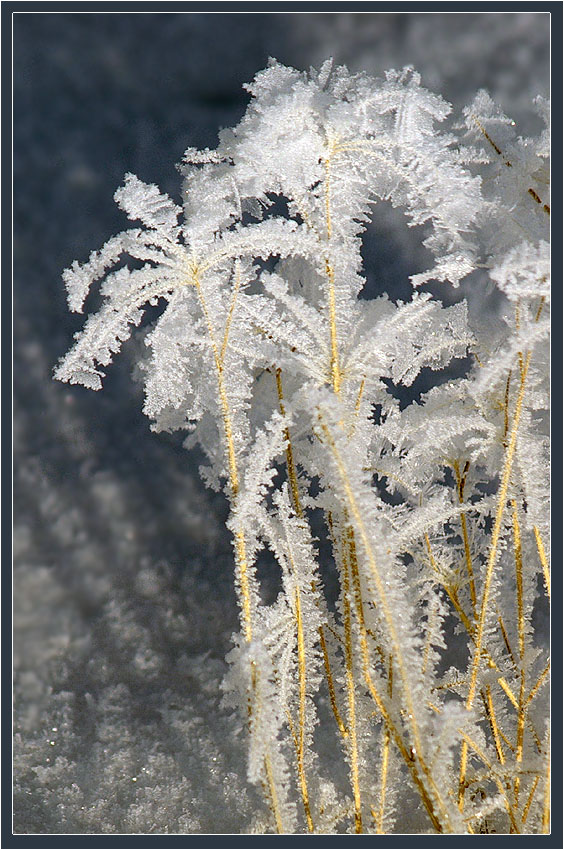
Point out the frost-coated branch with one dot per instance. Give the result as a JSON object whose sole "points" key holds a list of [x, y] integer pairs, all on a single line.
{"points": [[426, 512]]}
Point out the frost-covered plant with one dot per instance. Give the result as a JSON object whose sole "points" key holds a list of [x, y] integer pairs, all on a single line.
{"points": [[435, 511]]}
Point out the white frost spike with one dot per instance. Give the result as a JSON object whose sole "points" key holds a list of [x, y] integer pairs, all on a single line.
{"points": [[524, 272], [144, 201]]}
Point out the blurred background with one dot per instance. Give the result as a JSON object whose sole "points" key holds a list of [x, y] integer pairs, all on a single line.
{"points": [[123, 604]]}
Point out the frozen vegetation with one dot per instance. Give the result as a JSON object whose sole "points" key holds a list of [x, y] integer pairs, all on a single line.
{"points": [[368, 636]]}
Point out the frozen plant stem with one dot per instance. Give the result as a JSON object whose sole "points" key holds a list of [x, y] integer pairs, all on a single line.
{"points": [[502, 498], [335, 371], [299, 739], [416, 753], [240, 545], [270, 356]]}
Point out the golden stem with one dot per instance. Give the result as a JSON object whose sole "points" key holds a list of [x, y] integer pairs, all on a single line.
{"points": [[292, 474], [460, 484], [521, 636], [240, 545], [302, 712], [385, 759], [490, 712], [383, 781], [496, 534], [540, 680], [490, 570], [332, 696], [543, 560], [507, 741], [508, 692], [300, 744], [506, 640], [462, 774], [356, 515], [344, 731], [506, 408], [453, 596], [451, 592], [273, 795], [292, 728], [406, 754], [359, 397], [349, 677], [506, 162], [534, 786], [357, 408], [536, 738], [482, 756], [546, 800], [299, 740], [335, 370]]}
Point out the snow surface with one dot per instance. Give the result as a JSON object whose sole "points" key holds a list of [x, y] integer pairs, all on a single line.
{"points": [[123, 601]]}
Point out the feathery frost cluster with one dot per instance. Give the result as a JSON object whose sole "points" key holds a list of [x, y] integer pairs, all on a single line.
{"points": [[434, 513]]}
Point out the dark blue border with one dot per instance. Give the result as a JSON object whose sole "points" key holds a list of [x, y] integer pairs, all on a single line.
{"points": [[8, 8]]}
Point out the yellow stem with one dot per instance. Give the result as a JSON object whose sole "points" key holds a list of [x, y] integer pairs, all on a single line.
{"points": [[273, 795], [462, 774], [543, 560], [536, 688], [496, 533], [335, 370], [332, 696], [521, 637], [355, 513], [292, 474], [506, 408], [406, 753], [541, 305], [351, 699], [299, 739], [508, 692], [302, 707], [534, 786], [451, 592], [359, 397], [508, 743], [385, 759], [490, 712], [240, 544], [506, 162], [506, 640], [294, 489], [546, 800], [470, 743], [383, 781], [453, 596], [508, 464], [460, 484]]}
